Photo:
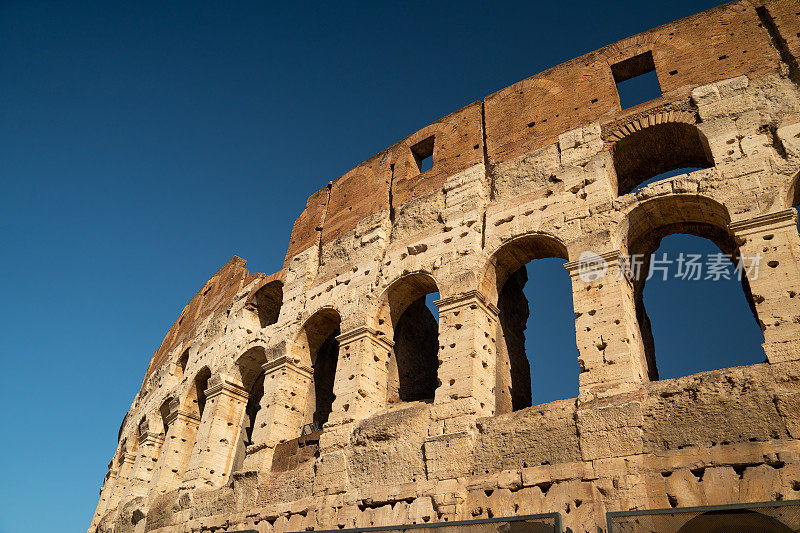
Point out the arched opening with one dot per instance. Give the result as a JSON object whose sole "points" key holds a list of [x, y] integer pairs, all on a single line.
{"points": [[704, 323], [536, 327], [180, 367], [250, 368], [655, 150], [251, 373], [164, 411], [196, 399], [734, 520], [410, 322], [266, 303], [319, 347]]}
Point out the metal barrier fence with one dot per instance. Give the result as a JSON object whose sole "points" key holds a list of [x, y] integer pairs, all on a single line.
{"points": [[765, 517]]}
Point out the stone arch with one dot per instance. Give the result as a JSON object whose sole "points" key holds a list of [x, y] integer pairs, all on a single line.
{"points": [[404, 317], [249, 367], [503, 280], [640, 235], [195, 400], [647, 147], [180, 364], [318, 348], [792, 195], [163, 414], [266, 302]]}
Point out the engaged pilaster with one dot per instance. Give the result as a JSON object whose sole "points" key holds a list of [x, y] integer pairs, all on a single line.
{"points": [[467, 357], [176, 451], [769, 248], [149, 447], [611, 353], [218, 435], [286, 385], [123, 477]]}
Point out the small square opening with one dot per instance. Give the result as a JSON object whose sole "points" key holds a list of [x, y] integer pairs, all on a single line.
{"points": [[423, 154], [636, 80]]}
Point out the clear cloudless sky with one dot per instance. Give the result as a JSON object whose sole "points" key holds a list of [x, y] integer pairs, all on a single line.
{"points": [[142, 144]]}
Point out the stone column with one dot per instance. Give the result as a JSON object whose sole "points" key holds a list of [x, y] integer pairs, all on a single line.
{"points": [[220, 428], [177, 449], [149, 447], [123, 475], [611, 354], [467, 357], [360, 385], [286, 385], [774, 278]]}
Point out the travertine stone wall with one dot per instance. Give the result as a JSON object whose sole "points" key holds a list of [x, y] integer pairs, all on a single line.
{"points": [[548, 168]]}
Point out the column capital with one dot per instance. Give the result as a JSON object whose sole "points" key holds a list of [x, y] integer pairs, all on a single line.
{"points": [[151, 439], [588, 265], [362, 332], [464, 299], [182, 414], [129, 458], [222, 385], [288, 363], [761, 223]]}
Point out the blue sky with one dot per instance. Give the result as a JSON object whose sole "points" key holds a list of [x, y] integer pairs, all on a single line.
{"points": [[145, 143]]}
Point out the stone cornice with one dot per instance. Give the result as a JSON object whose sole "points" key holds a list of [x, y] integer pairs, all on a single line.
{"points": [[151, 438], [771, 221], [287, 363], [464, 299], [187, 416], [611, 260], [227, 388], [363, 332]]}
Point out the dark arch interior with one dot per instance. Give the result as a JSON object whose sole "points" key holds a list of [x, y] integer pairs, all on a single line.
{"points": [[321, 332], [416, 339], [253, 407], [654, 150], [200, 386], [414, 365], [164, 412], [267, 301]]}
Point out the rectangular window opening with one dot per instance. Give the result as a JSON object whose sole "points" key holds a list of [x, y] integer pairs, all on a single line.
{"points": [[636, 80], [423, 154]]}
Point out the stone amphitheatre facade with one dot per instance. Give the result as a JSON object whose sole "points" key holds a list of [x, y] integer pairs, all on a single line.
{"points": [[325, 396]]}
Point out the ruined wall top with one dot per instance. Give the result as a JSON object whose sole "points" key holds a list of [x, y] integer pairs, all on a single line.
{"points": [[721, 43]]}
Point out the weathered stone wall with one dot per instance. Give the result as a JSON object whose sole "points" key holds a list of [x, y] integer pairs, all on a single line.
{"points": [[549, 167]]}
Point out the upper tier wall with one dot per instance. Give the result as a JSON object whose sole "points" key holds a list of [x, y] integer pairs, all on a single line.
{"points": [[717, 44], [720, 43]]}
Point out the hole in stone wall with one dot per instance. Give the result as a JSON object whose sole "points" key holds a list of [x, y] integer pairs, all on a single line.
{"points": [[423, 154], [698, 324], [636, 80], [645, 155]]}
